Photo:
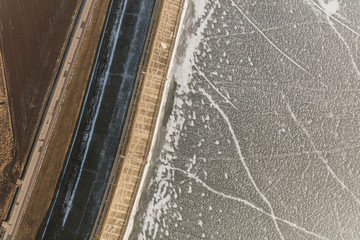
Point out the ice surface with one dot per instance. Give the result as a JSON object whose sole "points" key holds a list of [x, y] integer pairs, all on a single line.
{"points": [[269, 146]]}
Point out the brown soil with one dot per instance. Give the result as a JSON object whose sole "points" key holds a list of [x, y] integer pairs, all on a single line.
{"points": [[61, 138], [17, 43], [6, 146], [32, 35]]}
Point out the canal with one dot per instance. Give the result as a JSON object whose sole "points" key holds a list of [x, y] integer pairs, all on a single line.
{"points": [[91, 156]]}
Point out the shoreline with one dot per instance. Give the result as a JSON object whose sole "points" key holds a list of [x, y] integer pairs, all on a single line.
{"points": [[159, 121], [141, 132]]}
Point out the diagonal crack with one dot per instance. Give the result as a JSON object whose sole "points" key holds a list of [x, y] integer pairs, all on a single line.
{"points": [[202, 74], [269, 40], [335, 19], [345, 43], [242, 159], [245, 202], [318, 153], [347, 47]]}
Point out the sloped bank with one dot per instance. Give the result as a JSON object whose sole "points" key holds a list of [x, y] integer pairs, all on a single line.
{"points": [[138, 147]]}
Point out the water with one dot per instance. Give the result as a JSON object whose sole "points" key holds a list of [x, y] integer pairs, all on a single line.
{"points": [[85, 176]]}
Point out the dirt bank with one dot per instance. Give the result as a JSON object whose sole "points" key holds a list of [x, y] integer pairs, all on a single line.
{"points": [[54, 158]]}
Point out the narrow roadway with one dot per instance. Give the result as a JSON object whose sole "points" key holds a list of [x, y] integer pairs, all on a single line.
{"points": [[49, 120]]}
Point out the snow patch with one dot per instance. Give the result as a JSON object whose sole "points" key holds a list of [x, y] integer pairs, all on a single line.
{"points": [[330, 6], [163, 45]]}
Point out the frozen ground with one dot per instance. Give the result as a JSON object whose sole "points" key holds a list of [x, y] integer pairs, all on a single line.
{"points": [[261, 136]]}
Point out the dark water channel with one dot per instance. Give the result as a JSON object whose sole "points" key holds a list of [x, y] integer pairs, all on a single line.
{"points": [[100, 126]]}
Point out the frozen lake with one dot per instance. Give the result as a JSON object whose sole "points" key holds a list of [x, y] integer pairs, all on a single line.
{"points": [[260, 138]]}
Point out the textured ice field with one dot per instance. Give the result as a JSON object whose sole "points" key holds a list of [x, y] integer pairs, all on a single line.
{"points": [[261, 136]]}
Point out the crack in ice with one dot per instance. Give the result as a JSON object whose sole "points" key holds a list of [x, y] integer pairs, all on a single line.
{"points": [[329, 19], [242, 159], [346, 45], [318, 153], [333, 18], [295, 154], [245, 202], [296, 232], [202, 74], [269, 40], [208, 36]]}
